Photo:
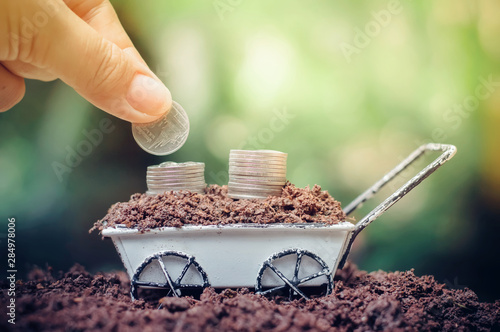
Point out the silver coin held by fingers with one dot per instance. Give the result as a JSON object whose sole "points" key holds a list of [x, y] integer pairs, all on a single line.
{"points": [[165, 135]]}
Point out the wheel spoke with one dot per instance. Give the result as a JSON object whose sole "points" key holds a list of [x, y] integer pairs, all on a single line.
{"points": [[271, 290], [313, 276], [286, 280], [297, 265], [167, 276], [190, 286], [151, 284], [184, 270]]}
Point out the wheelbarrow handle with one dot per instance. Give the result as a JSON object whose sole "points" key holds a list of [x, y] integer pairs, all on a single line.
{"points": [[448, 152]]}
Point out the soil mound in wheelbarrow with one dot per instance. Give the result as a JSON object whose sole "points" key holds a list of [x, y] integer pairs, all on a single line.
{"points": [[380, 301], [175, 209]]}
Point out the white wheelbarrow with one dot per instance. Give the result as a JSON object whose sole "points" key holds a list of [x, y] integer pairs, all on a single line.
{"points": [[287, 259]]}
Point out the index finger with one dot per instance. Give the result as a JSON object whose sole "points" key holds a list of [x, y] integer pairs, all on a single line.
{"points": [[101, 16]]}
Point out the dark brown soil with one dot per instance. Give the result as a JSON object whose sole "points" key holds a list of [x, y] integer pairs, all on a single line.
{"points": [[174, 209], [78, 301]]}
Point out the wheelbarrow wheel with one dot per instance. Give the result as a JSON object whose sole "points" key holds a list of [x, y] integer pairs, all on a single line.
{"points": [[279, 276], [174, 271]]}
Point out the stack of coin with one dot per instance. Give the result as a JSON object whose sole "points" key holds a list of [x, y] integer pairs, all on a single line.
{"points": [[256, 174], [171, 176]]}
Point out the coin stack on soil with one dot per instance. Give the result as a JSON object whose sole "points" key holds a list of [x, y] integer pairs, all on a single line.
{"points": [[256, 174], [171, 176]]}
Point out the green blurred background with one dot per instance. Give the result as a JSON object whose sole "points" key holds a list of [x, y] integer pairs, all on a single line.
{"points": [[347, 89]]}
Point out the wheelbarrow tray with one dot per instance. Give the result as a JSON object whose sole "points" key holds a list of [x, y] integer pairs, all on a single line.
{"points": [[231, 255]]}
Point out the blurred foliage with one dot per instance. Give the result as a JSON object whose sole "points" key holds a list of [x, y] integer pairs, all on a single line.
{"points": [[275, 75]]}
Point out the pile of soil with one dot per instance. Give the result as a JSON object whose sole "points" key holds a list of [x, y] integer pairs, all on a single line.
{"points": [[399, 301], [175, 209]]}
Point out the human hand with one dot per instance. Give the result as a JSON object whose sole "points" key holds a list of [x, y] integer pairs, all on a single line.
{"points": [[82, 43]]}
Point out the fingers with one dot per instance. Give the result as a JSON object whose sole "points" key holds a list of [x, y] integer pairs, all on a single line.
{"points": [[28, 70], [111, 78], [12, 89], [101, 16]]}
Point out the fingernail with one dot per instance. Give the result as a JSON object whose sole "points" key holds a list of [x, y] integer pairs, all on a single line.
{"points": [[148, 95]]}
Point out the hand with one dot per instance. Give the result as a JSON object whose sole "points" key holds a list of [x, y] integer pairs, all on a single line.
{"points": [[83, 43]]}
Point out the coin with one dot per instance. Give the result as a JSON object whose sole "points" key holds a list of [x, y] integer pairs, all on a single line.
{"points": [[173, 164], [156, 192], [257, 172], [257, 194], [176, 180], [177, 187], [264, 177], [263, 188], [256, 163], [248, 196], [258, 153], [256, 181], [176, 169], [172, 176], [176, 183], [250, 159], [269, 168], [165, 135], [258, 156], [176, 173]]}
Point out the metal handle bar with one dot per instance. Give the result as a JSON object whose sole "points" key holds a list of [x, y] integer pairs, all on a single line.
{"points": [[448, 152]]}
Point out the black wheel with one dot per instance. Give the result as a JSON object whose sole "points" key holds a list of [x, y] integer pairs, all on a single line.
{"points": [[289, 273], [170, 270]]}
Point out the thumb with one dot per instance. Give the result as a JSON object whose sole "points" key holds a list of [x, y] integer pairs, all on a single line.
{"points": [[115, 80]]}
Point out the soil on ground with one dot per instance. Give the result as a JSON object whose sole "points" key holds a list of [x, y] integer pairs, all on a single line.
{"points": [[377, 301]]}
